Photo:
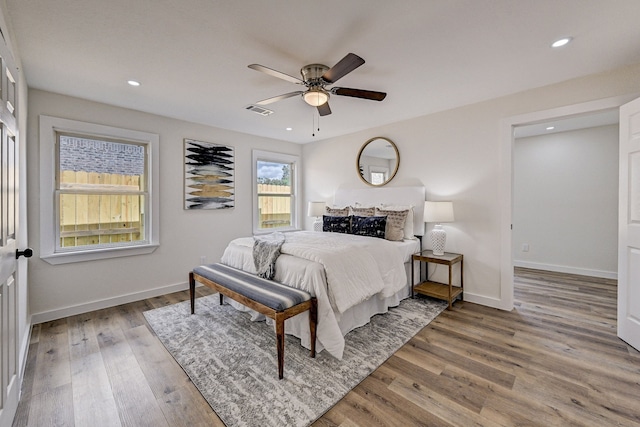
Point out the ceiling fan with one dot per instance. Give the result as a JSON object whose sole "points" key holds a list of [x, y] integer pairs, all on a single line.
{"points": [[316, 78]]}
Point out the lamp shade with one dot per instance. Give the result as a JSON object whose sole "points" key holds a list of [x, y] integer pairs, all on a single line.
{"points": [[316, 209], [438, 212], [315, 97]]}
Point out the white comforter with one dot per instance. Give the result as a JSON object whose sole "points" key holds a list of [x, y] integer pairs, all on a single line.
{"points": [[340, 270]]}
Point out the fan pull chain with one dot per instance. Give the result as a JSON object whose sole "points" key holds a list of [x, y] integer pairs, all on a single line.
{"points": [[313, 125]]}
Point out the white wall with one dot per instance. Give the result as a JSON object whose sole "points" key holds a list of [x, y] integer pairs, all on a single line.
{"points": [[457, 155], [185, 236], [565, 201]]}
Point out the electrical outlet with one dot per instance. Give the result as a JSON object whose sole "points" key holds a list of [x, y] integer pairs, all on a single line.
{"points": [[203, 260], [525, 247]]}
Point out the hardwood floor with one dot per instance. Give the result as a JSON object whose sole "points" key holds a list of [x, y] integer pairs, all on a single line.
{"points": [[553, 361]]}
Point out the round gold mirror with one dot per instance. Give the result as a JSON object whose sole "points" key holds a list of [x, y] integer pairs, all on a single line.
{"points": [[378, 161]]}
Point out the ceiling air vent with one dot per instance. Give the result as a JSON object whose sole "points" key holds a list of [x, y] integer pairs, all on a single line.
{"points": [[259, 110]]}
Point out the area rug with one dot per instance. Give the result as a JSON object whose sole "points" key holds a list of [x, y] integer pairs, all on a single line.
{"points": [[233, 362]]}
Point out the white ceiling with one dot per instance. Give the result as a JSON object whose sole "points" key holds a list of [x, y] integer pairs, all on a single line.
{"points": [[564, 124], [191, 56]]}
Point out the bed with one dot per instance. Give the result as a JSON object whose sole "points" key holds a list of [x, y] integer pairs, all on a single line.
{"points": [[353, 277]]}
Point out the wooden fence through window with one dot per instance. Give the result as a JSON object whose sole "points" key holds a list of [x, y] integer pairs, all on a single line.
{"points": [[96, 209], [274, 204]]}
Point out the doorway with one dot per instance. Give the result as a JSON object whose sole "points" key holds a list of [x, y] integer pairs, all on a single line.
{"points": [[565, 207], [508, 126]]}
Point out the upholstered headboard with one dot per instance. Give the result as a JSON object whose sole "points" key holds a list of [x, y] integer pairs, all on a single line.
{"points": [[413, 195]]}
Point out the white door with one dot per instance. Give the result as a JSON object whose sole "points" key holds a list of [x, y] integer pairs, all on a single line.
{"points": [[629, 225], [10, 311]]}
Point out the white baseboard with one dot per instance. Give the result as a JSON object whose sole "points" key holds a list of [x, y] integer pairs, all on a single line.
{"points": [[566, 269], [47, 316]]}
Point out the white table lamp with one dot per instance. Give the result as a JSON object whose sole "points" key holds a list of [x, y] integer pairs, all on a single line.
{"points": [[316, 209], [438, 212]]}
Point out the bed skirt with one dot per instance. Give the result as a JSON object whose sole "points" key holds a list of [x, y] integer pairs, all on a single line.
{"points": [[351, 319]]}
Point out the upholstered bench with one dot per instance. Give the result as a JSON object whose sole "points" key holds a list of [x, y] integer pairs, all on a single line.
{"points": [[275, 300]]}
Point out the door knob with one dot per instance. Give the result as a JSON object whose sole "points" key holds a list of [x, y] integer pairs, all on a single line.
{"points": [[27, 253]]}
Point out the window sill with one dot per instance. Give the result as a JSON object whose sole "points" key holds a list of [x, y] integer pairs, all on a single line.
{"points": [[96, 254]]}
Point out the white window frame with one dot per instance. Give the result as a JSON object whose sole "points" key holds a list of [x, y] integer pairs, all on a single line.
{"points": [[378, 169], [49, 212], [268, 156]]}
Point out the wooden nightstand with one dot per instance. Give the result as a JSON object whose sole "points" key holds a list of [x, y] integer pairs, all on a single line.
{"points": [[444, 291]]}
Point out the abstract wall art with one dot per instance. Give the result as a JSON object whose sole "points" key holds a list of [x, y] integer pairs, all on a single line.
{"points": [[208, 175]]}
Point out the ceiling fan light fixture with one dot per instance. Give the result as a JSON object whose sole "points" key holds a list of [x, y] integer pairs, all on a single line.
{"points": [[316, 97], [316, 78]]}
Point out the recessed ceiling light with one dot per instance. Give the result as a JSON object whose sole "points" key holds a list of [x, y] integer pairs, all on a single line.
{"points": [[289, 128], [551, 128], [561, 42], [133, 82]]}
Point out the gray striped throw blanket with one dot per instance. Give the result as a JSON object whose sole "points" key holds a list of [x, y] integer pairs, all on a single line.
{"points": [[266, 250]]}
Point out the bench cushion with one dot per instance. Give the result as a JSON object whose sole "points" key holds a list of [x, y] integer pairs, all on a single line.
{"points": [[267, 292]]}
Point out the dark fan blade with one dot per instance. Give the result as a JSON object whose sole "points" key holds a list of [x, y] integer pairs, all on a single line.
{"points": [[324, 109], [278, 98], [359, 93], [275, 73], [342, 68]]}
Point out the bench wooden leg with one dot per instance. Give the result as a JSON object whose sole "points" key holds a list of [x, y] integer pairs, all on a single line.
{"points": [[313, 320], [280, 344], [192, 291]]}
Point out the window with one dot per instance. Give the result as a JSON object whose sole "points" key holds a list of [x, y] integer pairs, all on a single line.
{"points": [[378, 175], [275, 188], [98, 191]]}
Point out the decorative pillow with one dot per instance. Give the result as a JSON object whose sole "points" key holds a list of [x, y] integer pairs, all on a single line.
{"points": [[409, 232], [337, 211], [336, 224], [395, 223], [363, 211], [372, 226]]}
